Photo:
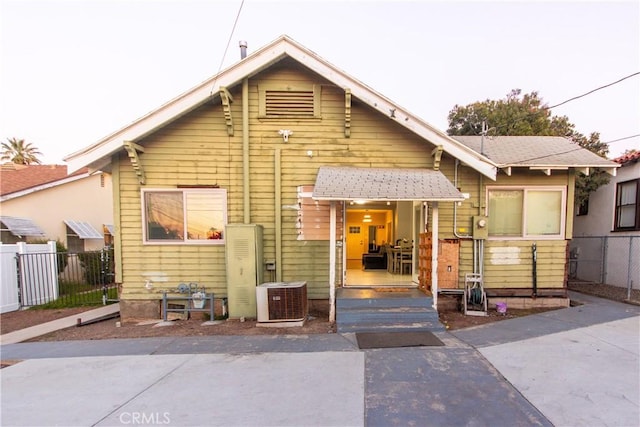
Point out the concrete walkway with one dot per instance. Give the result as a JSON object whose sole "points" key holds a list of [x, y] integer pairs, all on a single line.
{"points": [[55, 325], [551, 369]]}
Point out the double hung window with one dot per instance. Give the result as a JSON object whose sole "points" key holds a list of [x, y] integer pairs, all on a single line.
{"points": [[627, 215]]}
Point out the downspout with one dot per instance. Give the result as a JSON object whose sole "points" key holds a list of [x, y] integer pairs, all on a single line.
{"points": [[455, 205], [278, 212], [332, 261], [246, 184]]}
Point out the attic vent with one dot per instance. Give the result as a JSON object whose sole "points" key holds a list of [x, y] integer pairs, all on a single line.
{"points": [[298, 102]]}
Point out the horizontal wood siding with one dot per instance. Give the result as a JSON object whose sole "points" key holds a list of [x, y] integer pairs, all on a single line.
{"points": [[196, 150], [507, 263]]}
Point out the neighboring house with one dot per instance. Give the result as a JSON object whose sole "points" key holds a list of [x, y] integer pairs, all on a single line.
{"points": [[43, 202], [327, 167], [607, 229]]}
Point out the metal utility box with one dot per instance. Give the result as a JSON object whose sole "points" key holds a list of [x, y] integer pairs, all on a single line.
{"points": [[245, 268], [480, 227]]}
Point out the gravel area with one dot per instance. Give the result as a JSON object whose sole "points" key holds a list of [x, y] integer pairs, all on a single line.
{"points": [[615, 293]]}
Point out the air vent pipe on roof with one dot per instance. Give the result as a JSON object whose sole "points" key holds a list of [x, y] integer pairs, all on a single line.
{"points": [[243, 49]]}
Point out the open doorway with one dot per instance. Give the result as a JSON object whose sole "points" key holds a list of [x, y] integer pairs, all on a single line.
{"points": [[372, 230]]}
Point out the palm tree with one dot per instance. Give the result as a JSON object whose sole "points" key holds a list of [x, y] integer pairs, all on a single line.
{"points": [[16, 151]]}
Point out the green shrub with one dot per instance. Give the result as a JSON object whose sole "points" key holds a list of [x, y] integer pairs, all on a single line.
{"points": [[98, 266], [62, 257]]}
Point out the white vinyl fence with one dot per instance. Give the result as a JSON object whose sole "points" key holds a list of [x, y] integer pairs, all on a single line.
{"points": [[31, 285]]}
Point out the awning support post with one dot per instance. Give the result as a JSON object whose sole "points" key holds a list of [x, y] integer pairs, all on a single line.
{"points": [[434, 254], [332, 262]]}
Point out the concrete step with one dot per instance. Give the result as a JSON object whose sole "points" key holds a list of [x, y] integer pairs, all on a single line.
{"points": [[386, 318], [405, 314], [346, 303], [391, 327]]}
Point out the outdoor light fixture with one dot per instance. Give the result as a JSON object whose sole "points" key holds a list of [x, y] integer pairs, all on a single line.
{"points": [[285, 134]]}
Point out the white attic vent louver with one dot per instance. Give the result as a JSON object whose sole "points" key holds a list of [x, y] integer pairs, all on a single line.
{"points": [[286, 101], [289, 103]]}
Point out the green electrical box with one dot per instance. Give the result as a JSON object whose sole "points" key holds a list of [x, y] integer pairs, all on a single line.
{"points": [[480, 227], [245, 268]]}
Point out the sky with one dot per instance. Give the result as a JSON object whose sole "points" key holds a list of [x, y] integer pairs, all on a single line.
{"points": [[73, 72]]}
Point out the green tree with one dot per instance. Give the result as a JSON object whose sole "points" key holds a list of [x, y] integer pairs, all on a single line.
{"points": [[17, 151], [524, 115]]}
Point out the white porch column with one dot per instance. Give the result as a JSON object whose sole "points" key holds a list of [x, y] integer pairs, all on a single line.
{"points": [[332, 262], [434, 254]]}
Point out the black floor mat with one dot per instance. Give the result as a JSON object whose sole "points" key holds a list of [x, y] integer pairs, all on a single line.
{"points": [[396, 339]]}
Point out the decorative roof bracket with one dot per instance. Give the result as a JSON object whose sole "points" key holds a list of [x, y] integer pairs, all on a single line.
{"points": [[585, 171], [132, 150], [547, 170], [347, 113], [227, 99], [437, 155]]}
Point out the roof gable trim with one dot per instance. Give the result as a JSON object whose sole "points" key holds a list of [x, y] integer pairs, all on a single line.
{"points": [[253, 64]]}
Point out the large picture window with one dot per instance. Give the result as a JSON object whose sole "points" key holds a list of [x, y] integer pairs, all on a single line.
{"points": [[184, 216], [627, 206], [527, 212]]}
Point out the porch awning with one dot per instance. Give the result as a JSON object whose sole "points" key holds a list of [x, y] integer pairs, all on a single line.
{"points": [[21, 226], [351, 183], [84, 230]]}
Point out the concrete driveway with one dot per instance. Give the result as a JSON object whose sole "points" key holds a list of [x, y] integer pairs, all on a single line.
{"points": [[562, 368]]}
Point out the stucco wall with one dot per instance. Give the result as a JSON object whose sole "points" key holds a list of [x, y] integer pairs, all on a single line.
{"points": [[88, 199], [599, 220]]}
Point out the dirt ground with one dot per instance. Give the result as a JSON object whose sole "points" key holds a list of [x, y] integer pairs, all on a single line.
{"points": [[316, 324]]}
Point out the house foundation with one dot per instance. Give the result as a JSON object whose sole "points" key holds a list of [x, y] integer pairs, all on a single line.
{"points": [[136, 310]]}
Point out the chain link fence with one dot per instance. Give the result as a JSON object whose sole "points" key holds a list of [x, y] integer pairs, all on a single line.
{"points": [[610, 260]]}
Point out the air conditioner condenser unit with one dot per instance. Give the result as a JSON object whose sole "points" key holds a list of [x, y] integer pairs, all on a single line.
{"points": [[282, 302]]}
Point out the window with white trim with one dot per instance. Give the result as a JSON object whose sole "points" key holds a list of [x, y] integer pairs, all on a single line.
{"points": [[526, 212], [627, 206], [184, 216]]}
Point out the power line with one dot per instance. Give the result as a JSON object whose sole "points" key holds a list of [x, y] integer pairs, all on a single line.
{"points": [[543, 108], [594, 90], [622, 139], [224, 55]]}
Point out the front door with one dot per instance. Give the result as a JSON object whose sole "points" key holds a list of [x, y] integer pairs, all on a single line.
{"points": [[355, 245]]}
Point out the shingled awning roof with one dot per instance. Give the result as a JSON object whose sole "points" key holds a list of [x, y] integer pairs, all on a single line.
{"points": [[351, 183]]}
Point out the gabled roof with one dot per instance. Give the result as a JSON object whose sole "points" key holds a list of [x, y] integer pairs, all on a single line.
{"points": [[351, 183], [99, 154], [15, 178], [536, 152]]}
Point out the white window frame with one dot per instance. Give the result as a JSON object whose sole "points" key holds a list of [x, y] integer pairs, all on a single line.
{"points": [[216, 192], [525, 189]]}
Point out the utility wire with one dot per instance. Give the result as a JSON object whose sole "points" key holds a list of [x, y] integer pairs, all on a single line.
{"points": [[591, 91], [562, 103], [233, 29], [622, 139]]}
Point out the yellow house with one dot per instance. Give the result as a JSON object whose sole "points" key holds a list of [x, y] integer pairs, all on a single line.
{"points": [[283, 168]]}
